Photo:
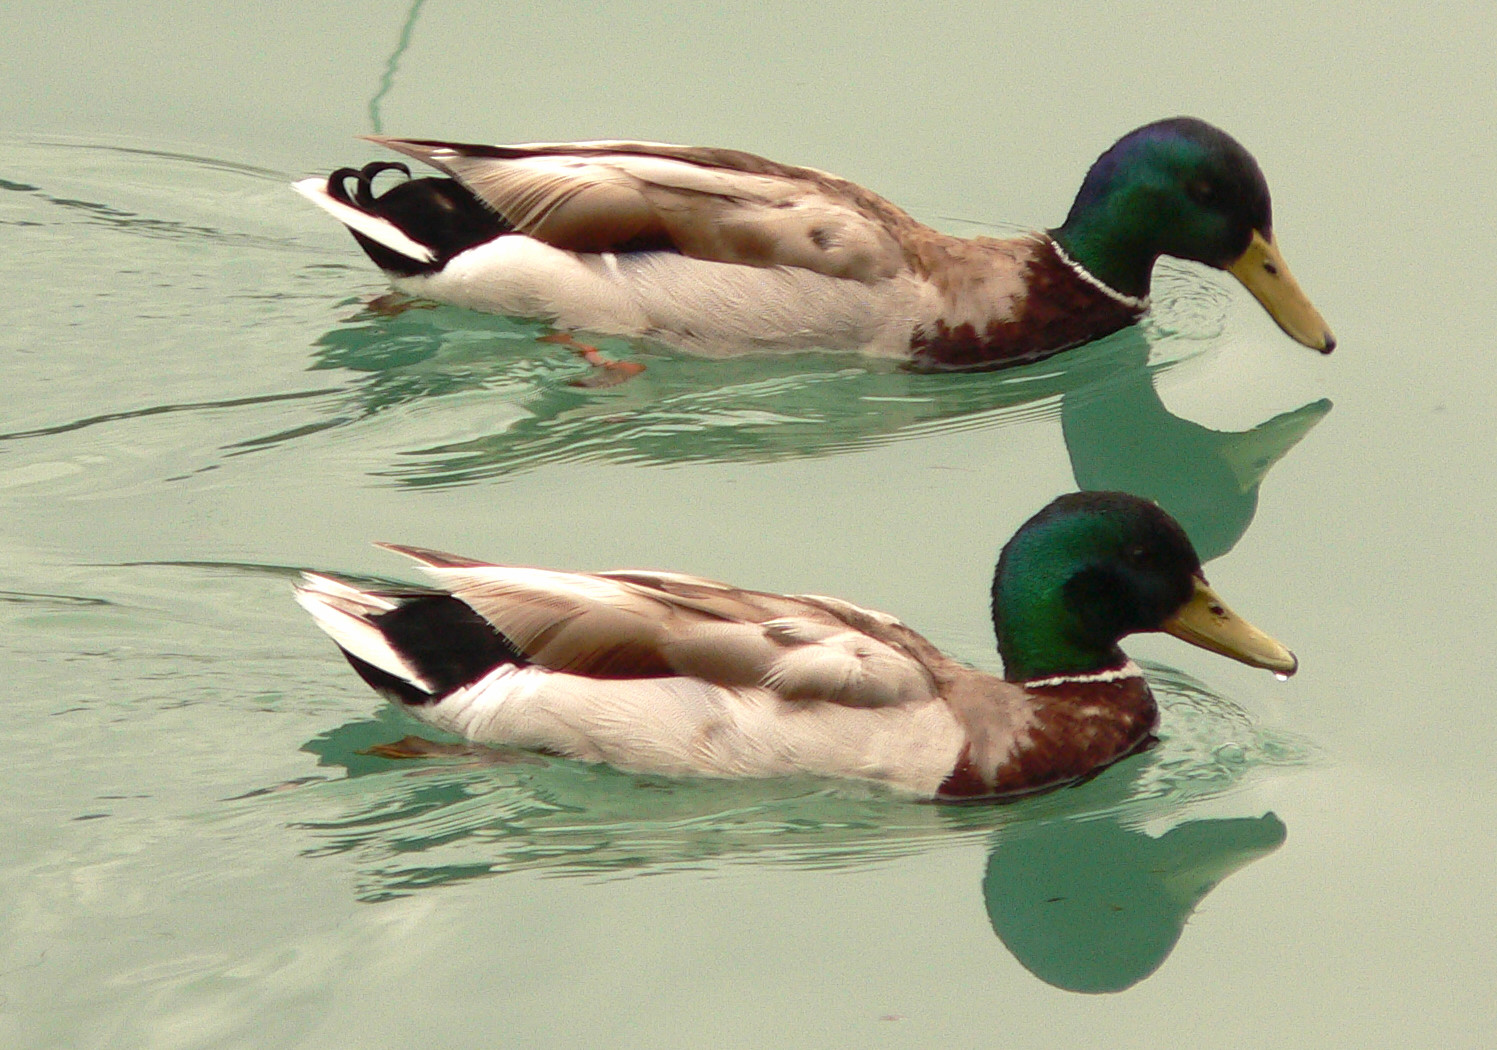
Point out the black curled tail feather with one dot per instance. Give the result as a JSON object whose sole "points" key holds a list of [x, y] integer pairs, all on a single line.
{"points": [[363, 194], [437, 212], [442, 640]]}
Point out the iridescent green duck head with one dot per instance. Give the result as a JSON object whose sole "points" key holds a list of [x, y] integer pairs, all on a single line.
{"points": [[1093, 567], [1184, 188]]}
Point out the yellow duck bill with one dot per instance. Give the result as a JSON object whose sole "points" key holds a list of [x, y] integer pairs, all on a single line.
{"points": [[1263, 271], [1206, 621]]}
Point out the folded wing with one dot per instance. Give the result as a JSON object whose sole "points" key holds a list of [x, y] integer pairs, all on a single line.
{"points": [[644, 625], [718, 205]]}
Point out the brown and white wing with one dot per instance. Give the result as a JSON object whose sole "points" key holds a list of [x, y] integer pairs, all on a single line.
{"points": [[805, 647], [717, 205], [564, 621], [645, 624]]}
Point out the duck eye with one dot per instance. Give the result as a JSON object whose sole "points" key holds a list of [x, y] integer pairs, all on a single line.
{"points": [[1201, 191]]}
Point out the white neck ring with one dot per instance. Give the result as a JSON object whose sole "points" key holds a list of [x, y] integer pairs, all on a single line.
{"points": [[1115, 674], [1130, 301]]}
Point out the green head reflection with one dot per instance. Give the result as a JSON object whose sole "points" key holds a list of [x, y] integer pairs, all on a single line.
{"points": [[1094, 906], [1120, 436]]}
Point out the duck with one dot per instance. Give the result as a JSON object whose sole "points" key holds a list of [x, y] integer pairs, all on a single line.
{"points": [[718, 252], [680, 676]]}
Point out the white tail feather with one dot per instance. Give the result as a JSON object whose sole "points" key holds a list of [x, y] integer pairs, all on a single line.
{"points": [[347, 596], [371, 226], [335, 607]]}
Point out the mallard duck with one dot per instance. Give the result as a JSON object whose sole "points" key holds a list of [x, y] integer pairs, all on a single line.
{"points": [[716, 251], [662, 673]]}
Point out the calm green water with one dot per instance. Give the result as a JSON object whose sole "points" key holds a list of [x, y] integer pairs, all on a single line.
{"points": [[197, 852]]}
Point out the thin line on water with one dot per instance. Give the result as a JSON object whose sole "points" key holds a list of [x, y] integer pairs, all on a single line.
{"points": [[388, 80], [157, 410]]}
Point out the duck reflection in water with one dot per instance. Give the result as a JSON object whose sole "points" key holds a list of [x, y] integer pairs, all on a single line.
{"points": [[1118, 432], [1120, 435], [1097, 906]]}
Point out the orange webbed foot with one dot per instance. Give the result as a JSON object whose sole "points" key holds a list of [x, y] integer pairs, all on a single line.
{"points": [[474, 754], [393, 304], [605, 372]]}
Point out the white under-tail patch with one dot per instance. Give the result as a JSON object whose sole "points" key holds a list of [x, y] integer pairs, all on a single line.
{"points": [[494, 710], [371, 226], [341, 611]]}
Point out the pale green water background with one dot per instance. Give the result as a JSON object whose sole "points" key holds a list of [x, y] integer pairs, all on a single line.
{"points": [[195, 854]]}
